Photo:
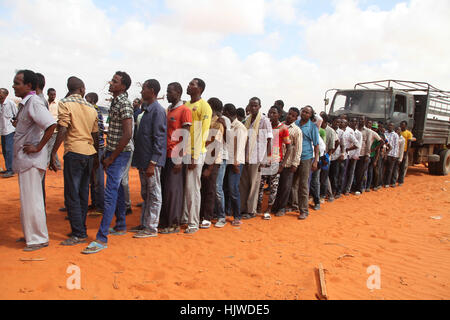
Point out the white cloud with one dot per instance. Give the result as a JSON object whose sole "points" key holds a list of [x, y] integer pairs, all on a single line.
{"points": [[282, 10], [350, 45]]}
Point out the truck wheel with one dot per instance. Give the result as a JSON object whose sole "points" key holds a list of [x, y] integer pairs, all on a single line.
{"points": [[443, 166], [432, 168]]}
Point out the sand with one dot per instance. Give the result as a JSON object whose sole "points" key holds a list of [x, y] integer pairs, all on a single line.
{"points": [[264, 260]]}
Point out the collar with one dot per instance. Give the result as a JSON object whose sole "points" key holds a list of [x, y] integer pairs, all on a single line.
{"points": [[179, 104], [148, 107], [28, 97]]}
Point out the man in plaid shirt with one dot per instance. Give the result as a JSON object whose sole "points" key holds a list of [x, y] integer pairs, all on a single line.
{"points": [[119, 147]]}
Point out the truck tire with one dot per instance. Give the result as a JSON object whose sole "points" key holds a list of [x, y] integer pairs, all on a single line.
{"points": [[433, 168], [443, 166]]}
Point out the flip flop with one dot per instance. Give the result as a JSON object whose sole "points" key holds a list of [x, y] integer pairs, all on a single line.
{"points": [[113, 232], [94, 247]]}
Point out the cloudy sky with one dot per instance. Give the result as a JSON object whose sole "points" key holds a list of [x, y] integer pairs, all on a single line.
{"points": [[274, 49]]}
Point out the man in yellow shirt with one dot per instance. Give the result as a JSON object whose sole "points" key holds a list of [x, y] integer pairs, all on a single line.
{"points": [[404, 164], [78, 128], [201, 121]]}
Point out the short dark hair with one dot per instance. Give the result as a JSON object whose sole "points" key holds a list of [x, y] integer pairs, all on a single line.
{"points": [[29, 77], [294, 109], [256, 99], [94, 97], [313, 113], [325, 117], [74, 83], [40, 81], [4, 90], [216, 104], [126, 80], [231, 109], [277, 108], [177, 86], [279, 103], [404, 122], [50, 90], [201, 84], [240, 112], [153, 84]]}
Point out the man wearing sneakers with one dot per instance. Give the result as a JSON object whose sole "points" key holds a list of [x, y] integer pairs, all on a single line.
{"points": [[78, 128]]}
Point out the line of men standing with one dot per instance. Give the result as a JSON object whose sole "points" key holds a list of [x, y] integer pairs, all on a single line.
{"points": [[196, 160]]}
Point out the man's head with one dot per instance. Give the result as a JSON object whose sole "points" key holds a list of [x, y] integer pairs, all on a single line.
{"points": [[325, 120], [391, 127], [136, 103], [274, 114], [336, 123], [292, 115], [24, 82], [51, 93], [76, 86], [120, 83], [196, 87], [216, 105], [40, 82], [307, 113], [398, 130], [150, 90], [279, 104], [254, 105], [229, 111], [403, 125], [174, 92], [343, 123], [3, 94], [369, 123], [92, 98], [240, 113], [353, 123], [380, 127], [361, 122]]}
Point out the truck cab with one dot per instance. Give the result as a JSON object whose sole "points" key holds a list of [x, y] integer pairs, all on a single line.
{"points": [[425, 108]]}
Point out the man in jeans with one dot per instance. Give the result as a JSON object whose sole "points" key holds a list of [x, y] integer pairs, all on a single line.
{"points": [[309, 159], [8, 111], [118, 152], [150, 157], [236, 160], [78, 128]]}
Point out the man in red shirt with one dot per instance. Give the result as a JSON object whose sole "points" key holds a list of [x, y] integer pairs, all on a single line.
{"points": [[179, 121]]}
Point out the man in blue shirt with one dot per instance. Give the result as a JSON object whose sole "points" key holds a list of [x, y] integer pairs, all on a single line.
{"points": [[309, 159], [150, 157]]}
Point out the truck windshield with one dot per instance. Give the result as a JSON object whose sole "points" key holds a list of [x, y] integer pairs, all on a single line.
{"points": [[361, 102]]}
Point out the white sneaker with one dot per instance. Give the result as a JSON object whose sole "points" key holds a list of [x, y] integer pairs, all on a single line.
{"points": [[205, 224]]}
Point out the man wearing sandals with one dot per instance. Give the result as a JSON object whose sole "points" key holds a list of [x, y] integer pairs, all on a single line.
{"points": [[34, 128], [118, 151], [259, 144], [78, 128]]}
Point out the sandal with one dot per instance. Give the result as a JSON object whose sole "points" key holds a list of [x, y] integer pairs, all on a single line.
{"points": [[267, 216], [114, 232], [236, 223], [72, 241], [34, 247], [94, 247]]}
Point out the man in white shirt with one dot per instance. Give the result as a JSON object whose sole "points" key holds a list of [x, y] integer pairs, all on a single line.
{"points": [[392, 155], [53, 108], [350, 155], [401, 154], [8, 111]]}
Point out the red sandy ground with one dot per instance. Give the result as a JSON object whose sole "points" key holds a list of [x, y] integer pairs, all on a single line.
{"points": [[275, 259]]}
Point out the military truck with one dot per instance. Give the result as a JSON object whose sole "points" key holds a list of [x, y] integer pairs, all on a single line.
{"points": [[425, 108]]}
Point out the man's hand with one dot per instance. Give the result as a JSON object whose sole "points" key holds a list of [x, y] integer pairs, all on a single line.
{"points": [[293, 169], [280, 169], [14, 122], [52, 166], [30, 148], [107, 162], [236, 168], [314, 166], [177, 168], [150, 172], [207, 172]]}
